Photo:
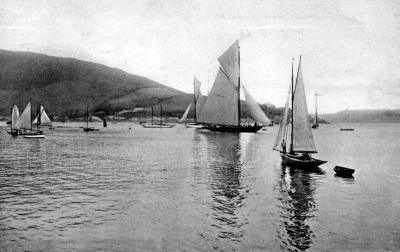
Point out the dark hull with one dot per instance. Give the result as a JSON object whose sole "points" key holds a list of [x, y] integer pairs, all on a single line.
{"points": [[13, 132], [233, 129], [315, 126], [90, 129], [343, 171], [300, 161]]}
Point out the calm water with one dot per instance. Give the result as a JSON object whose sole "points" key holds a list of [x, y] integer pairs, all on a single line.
{"points": [[186, 190]]}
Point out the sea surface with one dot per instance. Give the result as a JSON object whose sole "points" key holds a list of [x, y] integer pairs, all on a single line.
{"points": [[184, 189]]}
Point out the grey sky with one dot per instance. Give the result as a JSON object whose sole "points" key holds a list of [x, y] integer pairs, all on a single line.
{"points": [[351, 49]]}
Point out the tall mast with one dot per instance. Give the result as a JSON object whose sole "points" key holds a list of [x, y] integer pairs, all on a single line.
{"points": [[19, 100], [239, 119], [87, 116], [291, 134], [161, 115], [152, 112], [38, 117], [195, 101], [316, 112], [31, 112]]}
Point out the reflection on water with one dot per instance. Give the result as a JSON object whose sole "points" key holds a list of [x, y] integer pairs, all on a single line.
{"points": [[298, 207], [224, 156]]}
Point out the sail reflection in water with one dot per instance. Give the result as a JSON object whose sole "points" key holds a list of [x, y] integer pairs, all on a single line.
{"points": [[298, 208], [224, 178]]}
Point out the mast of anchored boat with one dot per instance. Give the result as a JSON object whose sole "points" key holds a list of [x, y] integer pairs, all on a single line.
{"points": [[316, 112], [239, 118], [194, 100], [161, 115], [291, 134]]}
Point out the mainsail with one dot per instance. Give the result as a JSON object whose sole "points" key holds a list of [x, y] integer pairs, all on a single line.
{"points": [[282, 133], [24, 121], [185, 114], [303, 139], [199, 107], [255, 111], [14, 117], [222, 102], [229, 61], [44, 118]]}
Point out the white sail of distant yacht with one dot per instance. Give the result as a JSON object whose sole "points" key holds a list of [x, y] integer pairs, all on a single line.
{"points": [[25, 121], [198, 101], [221, 111], [183, 118], [14, 118], [44, 118]]}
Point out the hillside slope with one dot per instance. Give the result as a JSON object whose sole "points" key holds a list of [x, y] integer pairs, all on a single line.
{"points": [[66, 85]]}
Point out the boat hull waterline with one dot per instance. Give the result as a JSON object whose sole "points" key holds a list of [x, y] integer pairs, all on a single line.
{"points": [[233, 129], [300, 161]]}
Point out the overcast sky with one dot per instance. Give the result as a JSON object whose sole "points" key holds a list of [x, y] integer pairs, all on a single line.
{"points": [[351, 49]]}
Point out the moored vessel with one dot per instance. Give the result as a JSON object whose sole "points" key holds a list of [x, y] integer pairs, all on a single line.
{"points": [[301, 139]]}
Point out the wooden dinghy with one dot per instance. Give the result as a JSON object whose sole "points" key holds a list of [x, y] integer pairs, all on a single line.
{"points": [[343, 171]]}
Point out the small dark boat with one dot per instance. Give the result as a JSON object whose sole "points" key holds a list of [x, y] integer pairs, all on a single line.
{"points": [[343, 171], [315, 126], [346, 129], [87, 129]]}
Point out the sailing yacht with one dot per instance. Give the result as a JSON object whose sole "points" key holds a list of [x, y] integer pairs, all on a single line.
{"points": [[315, 123], [152, 124], [87, 128], [34, 134], [198, 101], [221, 112], [44, 118], [301, 138], [14, 130]]}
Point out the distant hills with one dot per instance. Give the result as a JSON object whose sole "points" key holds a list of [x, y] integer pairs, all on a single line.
{"points": [[67, 86], [364, 116]]}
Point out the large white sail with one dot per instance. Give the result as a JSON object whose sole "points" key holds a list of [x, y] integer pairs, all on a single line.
{"points": [[44, 118], [221, 106], [229, 61], [185, 114], [303, 139], [24, 121], [255, 111], [283, 127], [14, 117]]}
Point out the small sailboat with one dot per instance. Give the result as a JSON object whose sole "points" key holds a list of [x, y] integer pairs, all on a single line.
{"points": [[315, 124], [104, 123], [221, 112], [44, 118], [87, 128], [301, 138], [14, 129], [199, 102], [30, 133], [157, 125]]}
